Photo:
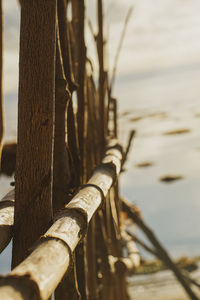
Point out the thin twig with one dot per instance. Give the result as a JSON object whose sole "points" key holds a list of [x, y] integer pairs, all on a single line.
{"points": [[119, 47], [142, 244], [130, 140]]}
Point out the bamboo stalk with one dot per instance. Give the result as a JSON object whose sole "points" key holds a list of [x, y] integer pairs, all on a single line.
{"points": [[160, 249], [78, 21], [133, 260], [101, 87], [6, 219], [65, 45], [53, 253], [61, 168]]}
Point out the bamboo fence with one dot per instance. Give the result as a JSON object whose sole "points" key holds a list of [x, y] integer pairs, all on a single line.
{"points": [[64, 214]]}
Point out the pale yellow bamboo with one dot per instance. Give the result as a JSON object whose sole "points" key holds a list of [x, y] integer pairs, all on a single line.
{"points": [[6, 219], [39, 274], [133, 260]]}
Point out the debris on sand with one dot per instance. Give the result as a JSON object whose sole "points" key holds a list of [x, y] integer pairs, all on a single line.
{"points": [[189, 264], [145, 164], [177, 131], [136, 119], [170, 178], [126, 113], [162, 115]]}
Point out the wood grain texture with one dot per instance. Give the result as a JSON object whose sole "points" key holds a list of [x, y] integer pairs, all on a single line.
{"points": [[33, 211]]}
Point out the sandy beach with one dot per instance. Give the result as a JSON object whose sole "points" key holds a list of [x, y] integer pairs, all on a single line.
{"points": [[159, 286]]}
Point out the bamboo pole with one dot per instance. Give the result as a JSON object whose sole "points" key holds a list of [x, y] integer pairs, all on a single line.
{"points": [[78, 21], [39, 274], [68, 286], [159, 248], [65, 45], [33, 211], [61, 167], [6, 219], [66, 54], [101, 86], [133, 260]]}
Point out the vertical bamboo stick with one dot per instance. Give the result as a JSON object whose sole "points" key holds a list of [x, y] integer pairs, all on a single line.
{"points": [[78, 21], [71, 133], [33, 210], [66, 178], [100, 50], [61, 168]]}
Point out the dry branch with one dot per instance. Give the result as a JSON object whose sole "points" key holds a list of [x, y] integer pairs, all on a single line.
{"points": [[130, 140], [43, 269], [142, 244], [119, 48], [159, 248]]}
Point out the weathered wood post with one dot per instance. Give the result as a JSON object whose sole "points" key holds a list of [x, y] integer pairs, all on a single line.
{"points": [[33, 207]]}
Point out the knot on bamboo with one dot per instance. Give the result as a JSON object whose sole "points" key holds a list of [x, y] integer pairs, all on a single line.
{"points": [[113, 158]]}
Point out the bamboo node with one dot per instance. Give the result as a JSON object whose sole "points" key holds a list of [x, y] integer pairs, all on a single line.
{"points": [[99, 190]]}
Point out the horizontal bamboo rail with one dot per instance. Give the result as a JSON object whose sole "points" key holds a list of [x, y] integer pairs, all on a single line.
{"points": [[6, 219], [39, 274]]}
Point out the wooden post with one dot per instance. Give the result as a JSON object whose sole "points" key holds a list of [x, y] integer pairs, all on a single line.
{"points": [[33, 209]]}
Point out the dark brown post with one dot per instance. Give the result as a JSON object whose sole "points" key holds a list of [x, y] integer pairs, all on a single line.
{"points": [[33, 209]]}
